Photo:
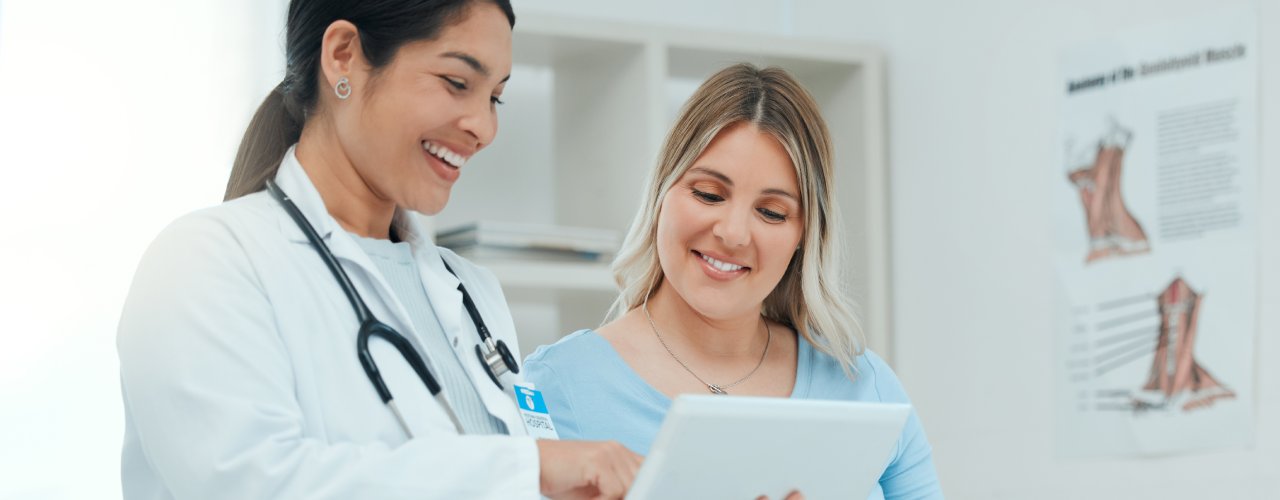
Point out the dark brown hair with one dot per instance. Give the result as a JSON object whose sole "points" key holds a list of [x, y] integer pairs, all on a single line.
{"points": [[384, 26]]}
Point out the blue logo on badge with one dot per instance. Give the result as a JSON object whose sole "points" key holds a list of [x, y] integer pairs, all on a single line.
{"points": [[530, 400]]}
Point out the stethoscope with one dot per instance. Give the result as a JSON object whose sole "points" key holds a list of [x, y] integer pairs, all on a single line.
{"points": [[494, 356]]}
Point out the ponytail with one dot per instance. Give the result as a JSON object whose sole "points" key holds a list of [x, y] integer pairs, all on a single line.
{"points": [[273, 129]]}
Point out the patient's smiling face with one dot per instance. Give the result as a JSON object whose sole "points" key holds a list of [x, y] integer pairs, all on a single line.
{"points": [[730, 225]]}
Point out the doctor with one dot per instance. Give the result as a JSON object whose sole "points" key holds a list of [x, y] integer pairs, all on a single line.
{"points": [[252, 367]]}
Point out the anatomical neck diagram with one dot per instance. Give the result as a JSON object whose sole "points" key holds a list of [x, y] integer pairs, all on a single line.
{"points": [[1112, 229], [1176, 380]]}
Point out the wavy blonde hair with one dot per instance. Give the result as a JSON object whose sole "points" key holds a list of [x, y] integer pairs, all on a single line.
{"points": [[809, 297]]}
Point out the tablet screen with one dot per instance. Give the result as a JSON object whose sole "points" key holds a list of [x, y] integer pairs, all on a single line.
{"points": [[743, 447]]}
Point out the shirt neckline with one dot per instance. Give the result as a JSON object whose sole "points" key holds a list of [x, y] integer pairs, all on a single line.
{"points": [[400, 252], [804, 368]]}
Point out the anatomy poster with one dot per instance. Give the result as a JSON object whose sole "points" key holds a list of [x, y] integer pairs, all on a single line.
{"points": [[1155, 240]]}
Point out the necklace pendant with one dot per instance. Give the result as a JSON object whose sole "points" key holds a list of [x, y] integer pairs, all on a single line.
{"points": [[715, 389]]}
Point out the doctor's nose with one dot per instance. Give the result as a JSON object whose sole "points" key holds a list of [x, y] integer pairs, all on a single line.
{"points": [[481, 122]]}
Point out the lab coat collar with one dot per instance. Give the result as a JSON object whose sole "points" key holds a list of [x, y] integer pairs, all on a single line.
{"points": [[295, 182], [441, 285], [293, 179]]}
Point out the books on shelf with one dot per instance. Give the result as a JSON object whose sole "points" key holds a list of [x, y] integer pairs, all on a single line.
{"points": [[493, 253], [495, 240]]}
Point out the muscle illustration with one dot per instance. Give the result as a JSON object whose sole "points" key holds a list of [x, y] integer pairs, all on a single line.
{"points": [[1112, 230], [1175, 376]]}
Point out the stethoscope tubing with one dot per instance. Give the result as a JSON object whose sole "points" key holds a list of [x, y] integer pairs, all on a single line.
{"points": [[357, 303], [369, 326]]}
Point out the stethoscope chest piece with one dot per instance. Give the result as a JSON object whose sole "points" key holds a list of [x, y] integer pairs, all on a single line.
{"points": [[498, 361]]}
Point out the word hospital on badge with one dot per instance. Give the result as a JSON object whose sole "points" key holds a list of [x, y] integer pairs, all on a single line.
{"points": [[533, 411]]}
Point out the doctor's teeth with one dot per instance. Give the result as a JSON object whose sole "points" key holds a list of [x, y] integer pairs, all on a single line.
{"points": [[444, 153], [723, 266]]}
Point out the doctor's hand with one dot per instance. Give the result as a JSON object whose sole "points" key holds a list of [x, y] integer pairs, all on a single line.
{"points": [[586, 469]]}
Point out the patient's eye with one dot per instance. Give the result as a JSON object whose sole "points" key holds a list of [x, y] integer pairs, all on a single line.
{"points": [[707, 197], [771, 216]]}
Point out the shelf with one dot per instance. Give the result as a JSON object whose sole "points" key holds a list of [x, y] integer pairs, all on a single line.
{"points": [[551, 276], [589, 104]]}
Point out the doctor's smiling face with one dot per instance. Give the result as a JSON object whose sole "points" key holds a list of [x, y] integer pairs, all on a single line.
{"points": [[409, 127], [729, 226]]}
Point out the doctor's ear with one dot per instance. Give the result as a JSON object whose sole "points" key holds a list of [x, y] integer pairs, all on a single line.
{"points": [[341, 56]]}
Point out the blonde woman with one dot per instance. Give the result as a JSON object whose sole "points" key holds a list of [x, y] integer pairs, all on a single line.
{"points": [[728, 279]]}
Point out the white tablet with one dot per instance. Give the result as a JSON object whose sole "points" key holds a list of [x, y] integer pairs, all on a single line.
{"points": [[743, 447]]}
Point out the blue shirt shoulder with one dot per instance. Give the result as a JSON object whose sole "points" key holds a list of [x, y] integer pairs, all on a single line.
{"points": [[593, 394]]}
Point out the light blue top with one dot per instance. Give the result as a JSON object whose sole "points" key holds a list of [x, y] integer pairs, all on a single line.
{"points": [[396, 263], [593, 394]]}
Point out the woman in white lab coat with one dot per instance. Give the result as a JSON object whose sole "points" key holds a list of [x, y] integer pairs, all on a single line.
{"points": [[238, 347]]}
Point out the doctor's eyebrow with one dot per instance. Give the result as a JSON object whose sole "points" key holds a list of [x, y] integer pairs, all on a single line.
{"points": [[729, 182], [473, 63]]}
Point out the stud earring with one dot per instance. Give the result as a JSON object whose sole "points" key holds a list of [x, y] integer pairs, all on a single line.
{"points": [[343, 88]]}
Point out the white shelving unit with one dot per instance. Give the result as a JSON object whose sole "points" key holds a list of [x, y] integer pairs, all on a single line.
{"points": [[589, 104], [594, 278]]}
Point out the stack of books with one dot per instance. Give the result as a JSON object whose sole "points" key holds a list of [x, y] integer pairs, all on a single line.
{"points": [[494, 240]]}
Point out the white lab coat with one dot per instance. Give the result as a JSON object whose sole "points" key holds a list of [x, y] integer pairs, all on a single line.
{"points": [[240, 376]]}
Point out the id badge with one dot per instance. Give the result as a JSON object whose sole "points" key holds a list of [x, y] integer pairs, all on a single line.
{"points": [[533, 411]]}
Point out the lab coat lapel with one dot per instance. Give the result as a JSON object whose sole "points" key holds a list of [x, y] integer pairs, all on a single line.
{"points": [[293, 180], [440, 284], [446, 301]]}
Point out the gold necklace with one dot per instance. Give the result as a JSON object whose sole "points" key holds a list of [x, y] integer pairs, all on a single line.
{"points": [[714, 388]]}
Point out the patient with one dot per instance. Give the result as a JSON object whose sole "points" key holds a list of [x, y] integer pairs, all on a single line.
{"points": [[730, 283]]}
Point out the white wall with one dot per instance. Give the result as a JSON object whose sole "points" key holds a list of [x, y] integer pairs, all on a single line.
{"points": [[115, 117], [972, 116], [974, 92], [111, 110]]}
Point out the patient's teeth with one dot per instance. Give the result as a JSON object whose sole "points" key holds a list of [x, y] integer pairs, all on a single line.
{"points": [[723, 266]]}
